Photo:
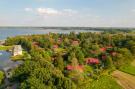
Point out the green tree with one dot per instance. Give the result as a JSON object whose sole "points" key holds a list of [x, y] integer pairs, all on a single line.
{"points": [[59, 63], [1, 77]]}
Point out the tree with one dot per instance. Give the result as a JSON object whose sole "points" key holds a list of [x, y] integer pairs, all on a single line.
{"points": [[33, 83], [59, 63], [131, 45], [80, 56], [1, 77], [108, 62]]}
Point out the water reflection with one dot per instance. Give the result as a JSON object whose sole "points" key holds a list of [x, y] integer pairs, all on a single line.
{"points": [[5, 60]]}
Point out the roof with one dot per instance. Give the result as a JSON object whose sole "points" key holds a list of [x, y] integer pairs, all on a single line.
{"points": [[55, 46], [103, 49], [79, 67], [92, 61]]}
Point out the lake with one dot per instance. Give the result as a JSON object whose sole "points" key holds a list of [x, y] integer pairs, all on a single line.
{"points": [[14, 31], [5, 60]]}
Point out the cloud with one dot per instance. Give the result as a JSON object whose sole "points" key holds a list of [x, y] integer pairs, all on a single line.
{"points": [[47, 11], [51, 11], [28, 9]]}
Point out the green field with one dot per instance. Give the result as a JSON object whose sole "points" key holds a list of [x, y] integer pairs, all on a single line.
{"points": [[5, 47], [130, 69], [105, 82]]}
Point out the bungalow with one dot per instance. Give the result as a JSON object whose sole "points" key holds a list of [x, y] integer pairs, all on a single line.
{"points": [[78, 68], [103, 49], [17, 50], [92, 61], [55, 46]]}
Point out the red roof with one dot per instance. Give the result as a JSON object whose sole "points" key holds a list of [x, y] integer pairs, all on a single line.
{"points": [[92, 61], [69, 67], [103, 49], [79, 67], [55, 46]]}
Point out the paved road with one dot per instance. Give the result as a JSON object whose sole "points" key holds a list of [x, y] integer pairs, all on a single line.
{"points": [[127, 81]]}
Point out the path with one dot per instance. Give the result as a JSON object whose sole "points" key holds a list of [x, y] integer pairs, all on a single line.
{"points": [[127, 81]]}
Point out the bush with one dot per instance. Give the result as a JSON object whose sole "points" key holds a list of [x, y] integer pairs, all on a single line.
{"points": [[1, 77]]}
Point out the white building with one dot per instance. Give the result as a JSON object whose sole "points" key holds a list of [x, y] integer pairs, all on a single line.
{"points": [[17, 50]]}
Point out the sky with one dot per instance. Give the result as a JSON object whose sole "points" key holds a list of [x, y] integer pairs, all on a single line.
{"points": [[83, 13]]}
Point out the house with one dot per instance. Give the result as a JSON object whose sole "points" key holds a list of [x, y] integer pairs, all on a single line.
{"points": [[17, 50], [92, 61], [55, 46], [78, 68], [103, 49]]}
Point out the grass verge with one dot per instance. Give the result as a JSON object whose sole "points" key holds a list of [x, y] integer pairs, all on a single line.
{"points": [[5, 47], [105, 82], [130, 69]]}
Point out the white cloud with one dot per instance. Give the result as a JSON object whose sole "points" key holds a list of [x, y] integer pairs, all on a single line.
{"points": [[47, 11], [51, 11], [28, 9]]}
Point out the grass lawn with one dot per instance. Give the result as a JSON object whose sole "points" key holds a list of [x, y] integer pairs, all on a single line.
{"points": [[105, 82], [130, 69], [24, 56], [5, 47]]}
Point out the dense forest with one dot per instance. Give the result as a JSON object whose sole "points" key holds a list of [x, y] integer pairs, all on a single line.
{"points": [[72, 61]]}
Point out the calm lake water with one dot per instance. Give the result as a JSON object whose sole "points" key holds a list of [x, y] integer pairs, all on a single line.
{"points": [[12, 31], [5, 59]]}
